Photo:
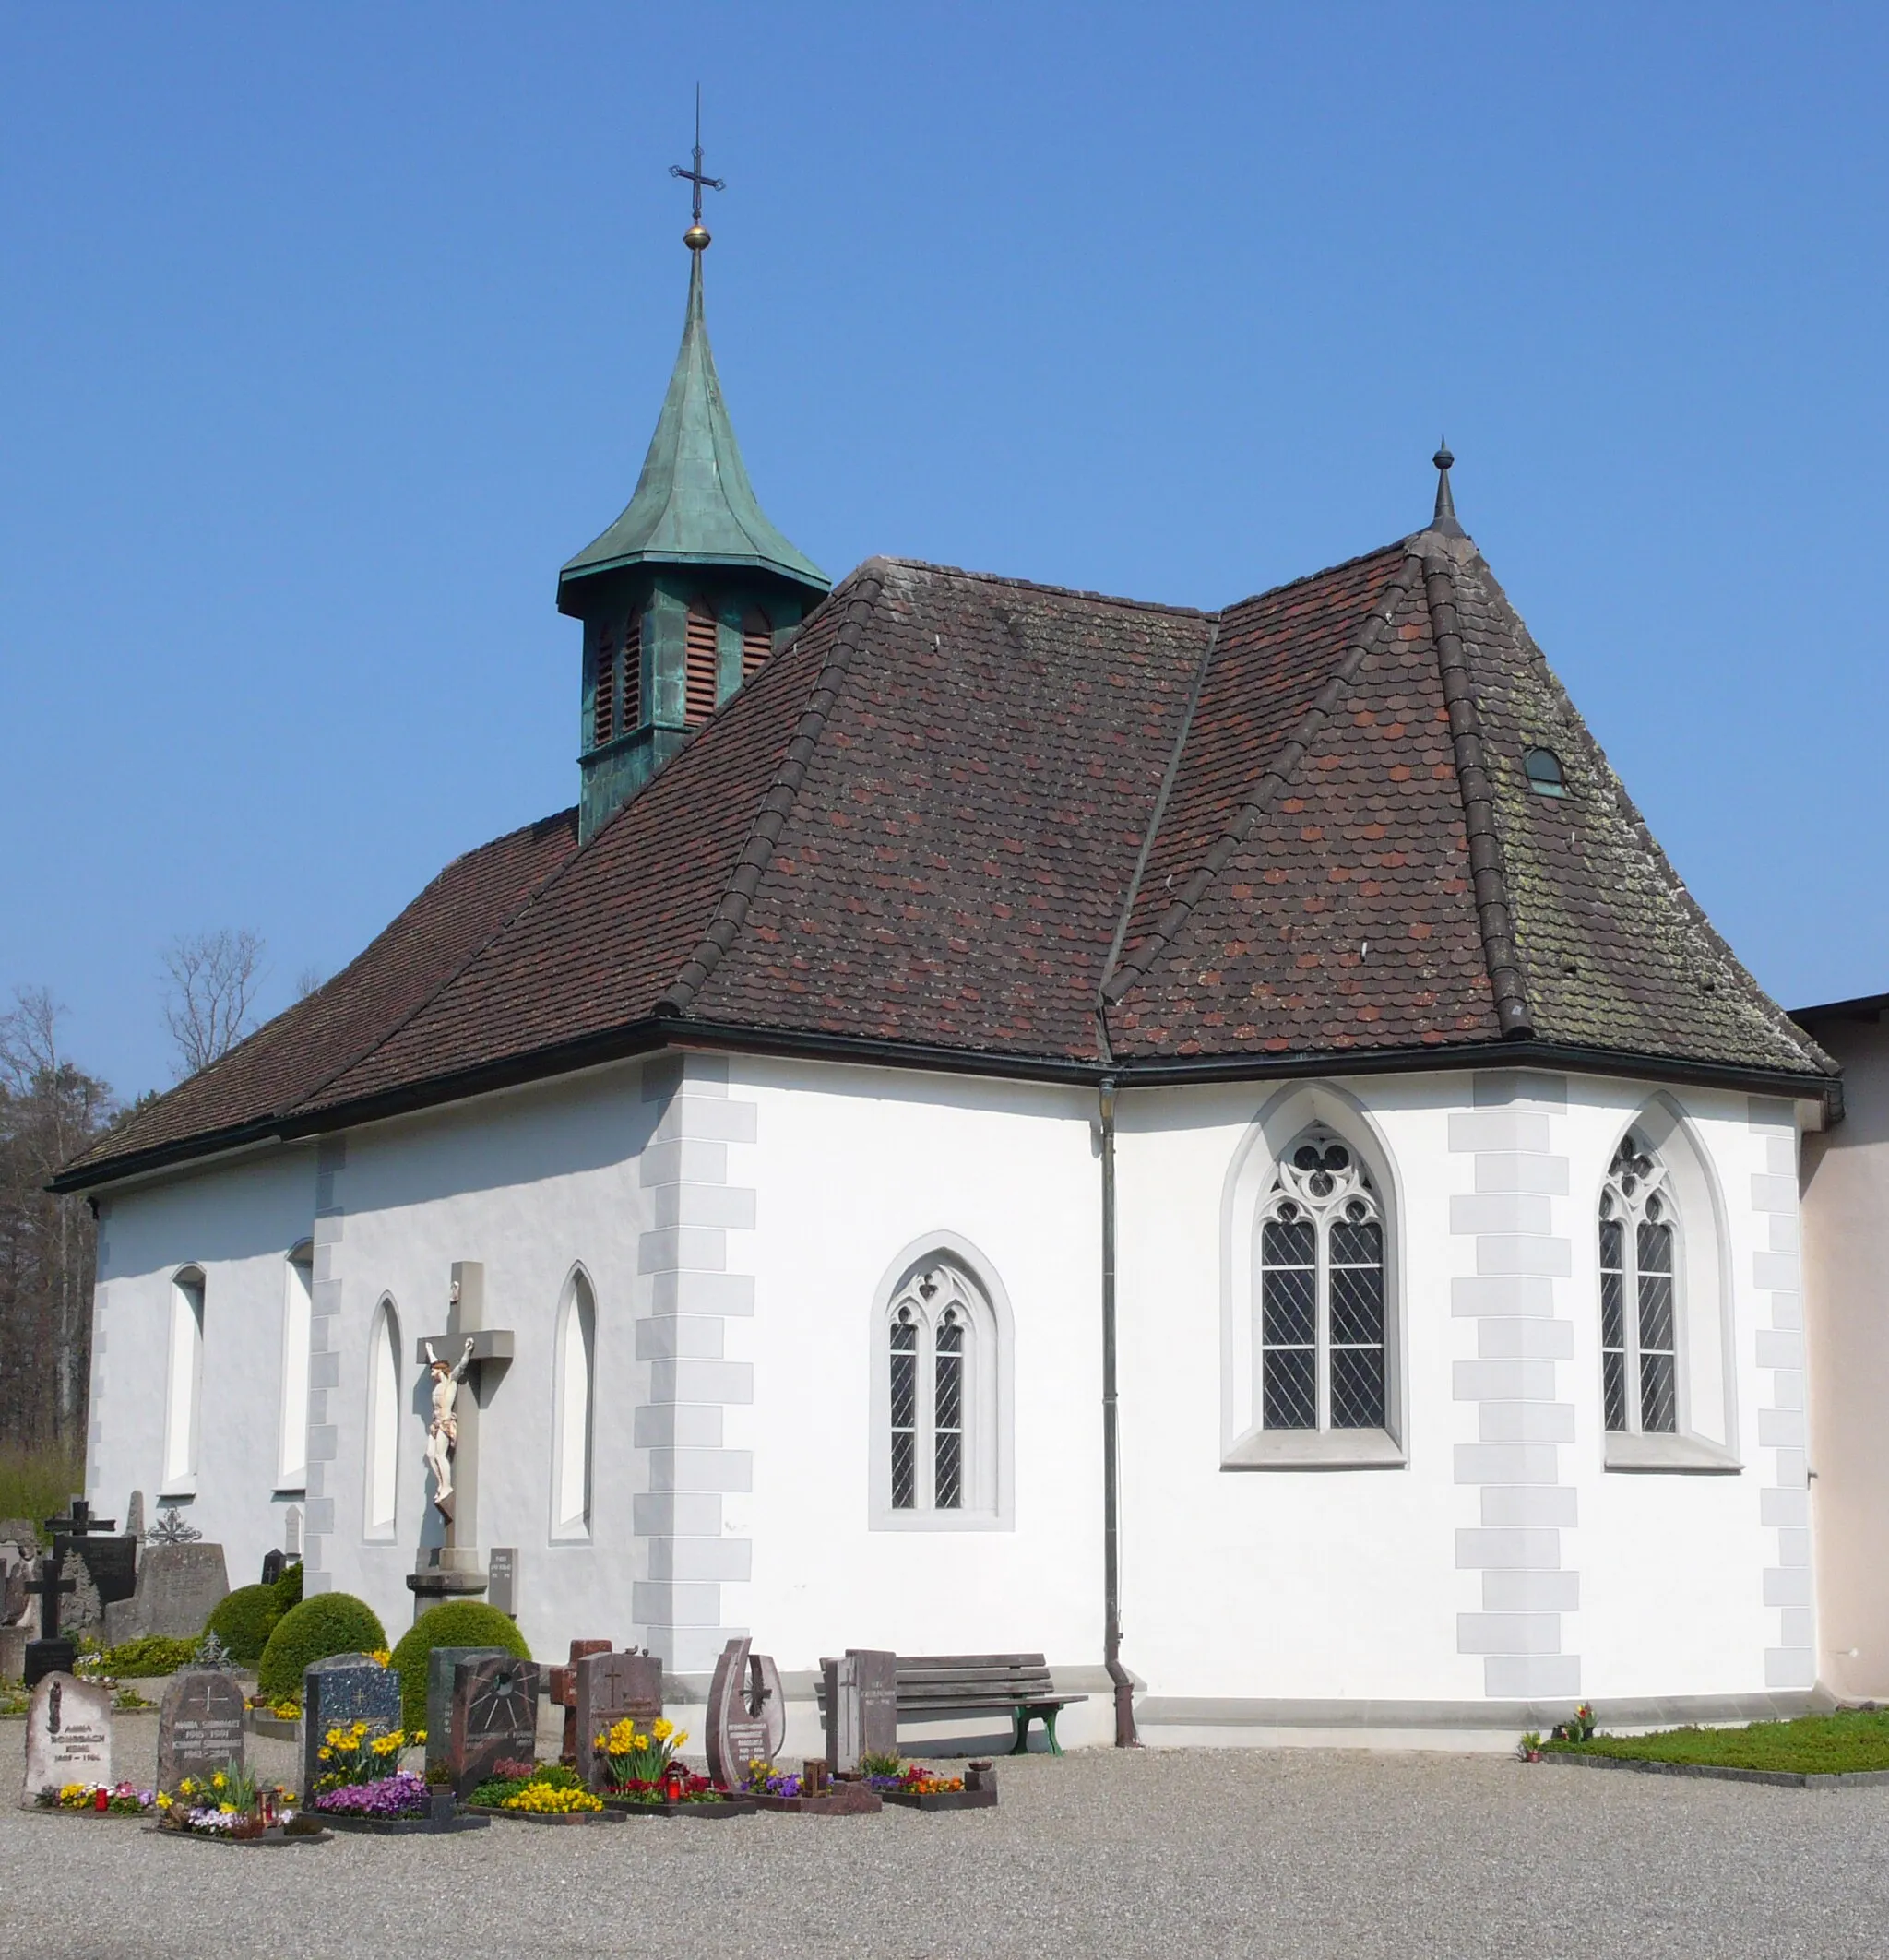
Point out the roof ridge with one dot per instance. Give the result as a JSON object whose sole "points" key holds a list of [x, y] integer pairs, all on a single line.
{"points": [[731, 908], [1285, 765], [1149, 835], [1496, 920], [1036, 585]]}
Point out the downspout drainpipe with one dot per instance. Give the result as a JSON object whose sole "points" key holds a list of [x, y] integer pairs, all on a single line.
{"points": [[1125, 1736]]}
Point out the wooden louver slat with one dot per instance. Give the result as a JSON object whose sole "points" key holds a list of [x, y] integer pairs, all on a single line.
{"points": [[701, 659], [758, 643], [632, 718]]}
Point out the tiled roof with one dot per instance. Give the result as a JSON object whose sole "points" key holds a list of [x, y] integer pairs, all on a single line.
{"points": [[959, 813]]}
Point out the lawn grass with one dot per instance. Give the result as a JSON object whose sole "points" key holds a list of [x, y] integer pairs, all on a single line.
{"points": [[38, 1483], [1816, 1745]]}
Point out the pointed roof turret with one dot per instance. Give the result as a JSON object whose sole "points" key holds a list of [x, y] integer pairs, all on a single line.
{"points": [[1444, 522], [694, 504]]}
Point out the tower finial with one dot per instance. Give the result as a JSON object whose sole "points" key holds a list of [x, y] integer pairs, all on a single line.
{"points": [[1444, 520], [696, 236]]}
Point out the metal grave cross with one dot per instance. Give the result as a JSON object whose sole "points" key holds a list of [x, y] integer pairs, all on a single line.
{"points": [[468, 1348], [49, 1585], [693, 175], [79, 1522]]}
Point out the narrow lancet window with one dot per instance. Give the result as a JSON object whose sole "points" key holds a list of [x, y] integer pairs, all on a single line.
{"points": [[1639, 1352], [905, 1410], [1322, 1292], [947, 1426]]}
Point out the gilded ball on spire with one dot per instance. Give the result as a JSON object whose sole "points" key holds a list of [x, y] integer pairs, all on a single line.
{"points": [[696, 237]]}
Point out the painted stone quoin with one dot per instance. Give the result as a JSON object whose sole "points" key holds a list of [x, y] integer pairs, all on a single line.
{"points": [[1007, 1120]]}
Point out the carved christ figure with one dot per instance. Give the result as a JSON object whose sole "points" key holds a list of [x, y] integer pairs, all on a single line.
{"points": [[442, 1431]]}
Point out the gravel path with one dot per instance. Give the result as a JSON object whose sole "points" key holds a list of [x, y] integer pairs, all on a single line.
{"points": [[1288, 1853]]}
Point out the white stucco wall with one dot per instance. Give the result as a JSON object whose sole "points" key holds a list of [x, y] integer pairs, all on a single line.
{"points": [[736, 1223]]}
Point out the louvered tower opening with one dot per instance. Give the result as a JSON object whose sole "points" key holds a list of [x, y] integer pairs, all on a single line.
{"points": [[702, 659], [631, 717], [758, 643], [603, 697]]}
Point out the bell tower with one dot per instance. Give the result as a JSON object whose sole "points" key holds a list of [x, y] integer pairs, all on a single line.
{"points": [[691, 590]]}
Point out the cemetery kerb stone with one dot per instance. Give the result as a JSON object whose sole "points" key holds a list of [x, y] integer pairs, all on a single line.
{"points": [[610, 1687], [494, 1718], [199, 1726], [862, 1706], [344, 1689], [747, 1714], [177, 1587], [68, 1735], [440, 1663]]}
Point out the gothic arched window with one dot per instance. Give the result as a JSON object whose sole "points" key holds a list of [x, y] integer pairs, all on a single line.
{"points": [[1639, 1322], [298, 1307], [183, 1396], [941, 1396], [382, 1479], [571, 1418], [1321, 1334]]}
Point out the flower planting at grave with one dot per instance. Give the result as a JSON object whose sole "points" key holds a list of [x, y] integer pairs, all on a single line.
{"points": [[535, 1789], [765, 1780], [361, 1774], [134, 1659], [913, 1780], [229, 1803], [120, 1799], [403, 1794], [640, 1764]]}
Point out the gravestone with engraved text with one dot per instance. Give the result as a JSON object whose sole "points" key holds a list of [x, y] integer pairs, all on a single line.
{"points": [[747, 1714], [861, 1696], [68, 1735], [339, 1691], [440, 1663], [494, 1718], [199, 1726], [611, 1688]]}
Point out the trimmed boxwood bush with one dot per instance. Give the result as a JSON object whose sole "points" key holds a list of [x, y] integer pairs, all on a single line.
{"points": [[329, 1623], [288, 1588], [455, 1623], [244, 1620]]}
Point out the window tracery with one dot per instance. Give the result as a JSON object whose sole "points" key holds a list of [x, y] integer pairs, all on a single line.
{"points": [[1639, 1344]]}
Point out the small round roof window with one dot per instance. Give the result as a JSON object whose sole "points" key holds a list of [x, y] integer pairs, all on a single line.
{"points": [[1544, 769]]}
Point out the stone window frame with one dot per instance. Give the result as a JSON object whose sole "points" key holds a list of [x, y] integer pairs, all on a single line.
{"points": [[577, 1310], [1706, 1440], [292, 1426], [188, 1297], [989, 1453], [1248, 1191], [382, 1433]]}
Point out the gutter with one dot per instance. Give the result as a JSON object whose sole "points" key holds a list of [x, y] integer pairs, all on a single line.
{"points": [[644, 1037], [1124, 1682]]}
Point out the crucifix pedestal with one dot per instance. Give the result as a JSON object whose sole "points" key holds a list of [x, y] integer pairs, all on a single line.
{"points": [[476, 1355]]}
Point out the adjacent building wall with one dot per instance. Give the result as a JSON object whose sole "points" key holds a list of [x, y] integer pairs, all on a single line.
{"points": [[1846, 1216]]}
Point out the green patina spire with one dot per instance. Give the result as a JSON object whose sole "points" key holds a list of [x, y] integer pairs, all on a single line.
{"points": [[694, 504]]}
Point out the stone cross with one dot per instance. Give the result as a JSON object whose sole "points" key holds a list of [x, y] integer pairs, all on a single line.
{"points": [[50, 1654], [747, 1714], [487, 1356]]}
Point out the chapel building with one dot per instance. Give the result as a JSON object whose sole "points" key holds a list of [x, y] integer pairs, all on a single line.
{"points": [[1211, 1144]]}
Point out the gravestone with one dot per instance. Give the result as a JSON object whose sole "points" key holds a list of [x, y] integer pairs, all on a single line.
{"points": [[178, 1586], [199, 1726], [52, 1652], [341, 1690], [494, 1718], [81, 1610], [292, 1532], [16, 1610], [610, 1686], [274, 1564], [502, 1579], [440, 1663], [134, 1516], [862, 1706], [561, 1689], [68, 1735], [110, 1565], [747, 1714]]}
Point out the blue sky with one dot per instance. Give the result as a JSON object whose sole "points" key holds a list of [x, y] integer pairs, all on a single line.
{"points": [[327, 332]]}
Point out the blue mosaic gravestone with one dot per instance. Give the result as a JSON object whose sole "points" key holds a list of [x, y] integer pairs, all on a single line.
{"points": [[440, 1663], [341, 1690]]}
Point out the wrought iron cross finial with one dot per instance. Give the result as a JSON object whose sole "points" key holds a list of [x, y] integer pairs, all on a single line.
{"points": [[695, 237]]}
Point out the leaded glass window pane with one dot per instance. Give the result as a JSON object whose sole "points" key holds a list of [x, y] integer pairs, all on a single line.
{"points": [[1291, 1388], [947, 1424], [1639, 1307], [905, 1377], [1357, 1387]]}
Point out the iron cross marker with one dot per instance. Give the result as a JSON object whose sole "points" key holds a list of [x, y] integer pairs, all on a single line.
{"points": [[695, 238]]}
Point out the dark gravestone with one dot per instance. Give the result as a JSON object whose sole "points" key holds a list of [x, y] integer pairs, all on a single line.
{"points": [[611, 1687], [52, 1653], [339, 1691], [274, 1563], [440, 1663], [112, 1565], [68, 1735], [862, 1706], [199, 1726], [561, 1687], [494, 1718], [747, 1714]]}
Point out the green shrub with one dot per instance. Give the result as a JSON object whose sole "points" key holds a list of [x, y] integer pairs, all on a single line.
{"points": [[457, 1623], [37, 1483], [140, 1659], [288, 1588], [244, 1620], [329, 1623]]}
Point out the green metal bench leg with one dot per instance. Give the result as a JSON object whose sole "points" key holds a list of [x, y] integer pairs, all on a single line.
{"points": [[1050, 1716], [1019, 1718]]}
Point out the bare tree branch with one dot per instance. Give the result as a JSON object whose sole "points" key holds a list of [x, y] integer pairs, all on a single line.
{"points": [[307, 981], [210, 984]]}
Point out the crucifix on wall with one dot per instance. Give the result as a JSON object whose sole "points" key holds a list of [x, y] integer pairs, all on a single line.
{"points": [[471, 1355]]}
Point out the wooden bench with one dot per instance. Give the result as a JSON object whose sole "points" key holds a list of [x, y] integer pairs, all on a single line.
{"points": [[1015, 1684]]}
